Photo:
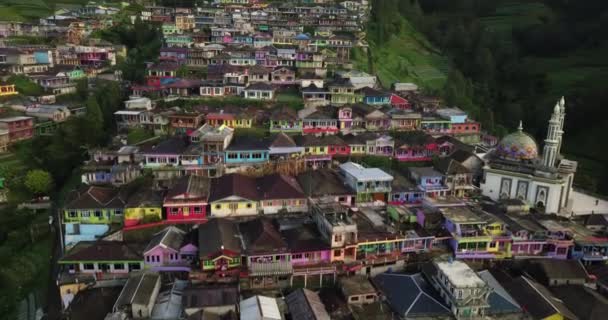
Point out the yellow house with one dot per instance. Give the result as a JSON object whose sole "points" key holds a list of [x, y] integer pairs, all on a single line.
{"points": [[143, 207], [230, 120], [7, 90]]}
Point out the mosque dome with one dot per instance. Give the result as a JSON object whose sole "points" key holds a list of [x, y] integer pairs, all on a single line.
{"points": [[517, 146]]}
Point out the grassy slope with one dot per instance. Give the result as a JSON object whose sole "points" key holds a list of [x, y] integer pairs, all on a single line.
{"points": [[406, 57], [24, 10]]}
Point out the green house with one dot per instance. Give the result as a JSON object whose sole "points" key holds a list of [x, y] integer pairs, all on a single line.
{"points": [[94, 205]]}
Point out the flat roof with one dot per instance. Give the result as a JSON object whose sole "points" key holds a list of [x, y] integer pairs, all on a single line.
{"points": [[17, 118], [365, 174], [460, 274]]}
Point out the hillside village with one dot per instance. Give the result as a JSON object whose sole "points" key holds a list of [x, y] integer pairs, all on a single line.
{"points": [[250, 171]]}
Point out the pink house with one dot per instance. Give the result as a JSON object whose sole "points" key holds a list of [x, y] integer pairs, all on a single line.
{"points": [[187, 200], [170, 250]]}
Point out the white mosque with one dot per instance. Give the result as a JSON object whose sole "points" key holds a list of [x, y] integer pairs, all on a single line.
{"points": [[514, 169]]}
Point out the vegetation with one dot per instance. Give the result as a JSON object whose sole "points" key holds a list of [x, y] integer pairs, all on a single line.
{"points": [[25, 86], [512, 60], [143, 42], [38, 181]]}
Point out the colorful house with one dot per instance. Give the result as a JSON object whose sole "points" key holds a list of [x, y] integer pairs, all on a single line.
{"points": [[280, 193], [285, 119], [415, 146], [219, 250], [247, 150], [166, 153], [315, 151], [431, 182], [268, 257], [404, 120], [476, 234], [19, 128], [374, 97], [399, 102], [370, 184], [234, 195], [144, 206], [379, 145], [343, 92], [283, 146], [184, 123], [103, 258], [435, 125], [457, 177], [259, 91], [310, 256], [95, 205], [187, 200], [7, 90], [168, 250], [320, 122], [403, 191], [238, 120]]}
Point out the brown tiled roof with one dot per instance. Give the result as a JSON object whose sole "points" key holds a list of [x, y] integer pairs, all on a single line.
{"points": [[261, 236], [92, 197], [322, 182], [102, 251], [305, 238], [282, 140], [284, 113], [194, 186], [217, 235], [279, 186], [231, 185]]}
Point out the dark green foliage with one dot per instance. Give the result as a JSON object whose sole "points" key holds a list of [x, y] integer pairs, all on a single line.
{"points": [[143, 41], [514, 59], [25, 86]]}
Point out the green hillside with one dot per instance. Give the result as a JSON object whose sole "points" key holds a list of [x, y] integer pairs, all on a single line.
{"points": [[406, 56], [27, 10]]}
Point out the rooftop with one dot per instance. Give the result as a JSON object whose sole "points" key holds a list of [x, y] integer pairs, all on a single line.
{"points": [[460, 274], [365, 174]]}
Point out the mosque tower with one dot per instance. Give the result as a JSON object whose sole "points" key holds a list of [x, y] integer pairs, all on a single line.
{"points": [[562, 116], [550, 150]]}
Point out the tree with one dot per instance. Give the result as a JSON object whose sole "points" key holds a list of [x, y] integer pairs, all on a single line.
{"points": [[82, 88], [38, 181], [94, 122]]}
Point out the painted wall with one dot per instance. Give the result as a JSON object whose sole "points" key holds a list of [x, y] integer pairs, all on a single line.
{"points": [[232, 208]]}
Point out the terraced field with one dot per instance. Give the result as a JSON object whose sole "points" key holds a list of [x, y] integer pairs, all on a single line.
{"points": [[24, 10]]}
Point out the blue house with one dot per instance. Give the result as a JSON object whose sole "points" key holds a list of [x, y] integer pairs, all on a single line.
{"points": [[374, 97], [430, 181], [244, 150], [590, 249], [403, 191]]}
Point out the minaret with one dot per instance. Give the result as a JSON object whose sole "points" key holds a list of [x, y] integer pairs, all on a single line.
{"points": [[551, 143], [562, 116]]}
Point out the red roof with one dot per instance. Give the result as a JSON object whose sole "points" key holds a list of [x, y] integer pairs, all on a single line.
{"points": [[395, 99]]}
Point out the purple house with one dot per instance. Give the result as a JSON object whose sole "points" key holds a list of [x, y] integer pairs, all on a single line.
{"points": [[310, 255], [170, 250]]}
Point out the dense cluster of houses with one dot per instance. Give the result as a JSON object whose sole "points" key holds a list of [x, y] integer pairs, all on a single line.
{"points": [[324, 202]]}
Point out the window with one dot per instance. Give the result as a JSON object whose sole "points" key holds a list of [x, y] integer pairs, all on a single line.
{"points": [[174, 210], [232, 156], [88, 266], [198, 209], [119, 266], [98, 213], [147, 258], [218, 206], [118, 212], [337, 253], [72, 214], [296, 256], [354, 298], [256, 155], [85, 214], [369, 296], [338, 238], [249, 206]]}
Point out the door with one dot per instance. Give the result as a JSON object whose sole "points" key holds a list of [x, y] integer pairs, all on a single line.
{"points": [[233, 207]]}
